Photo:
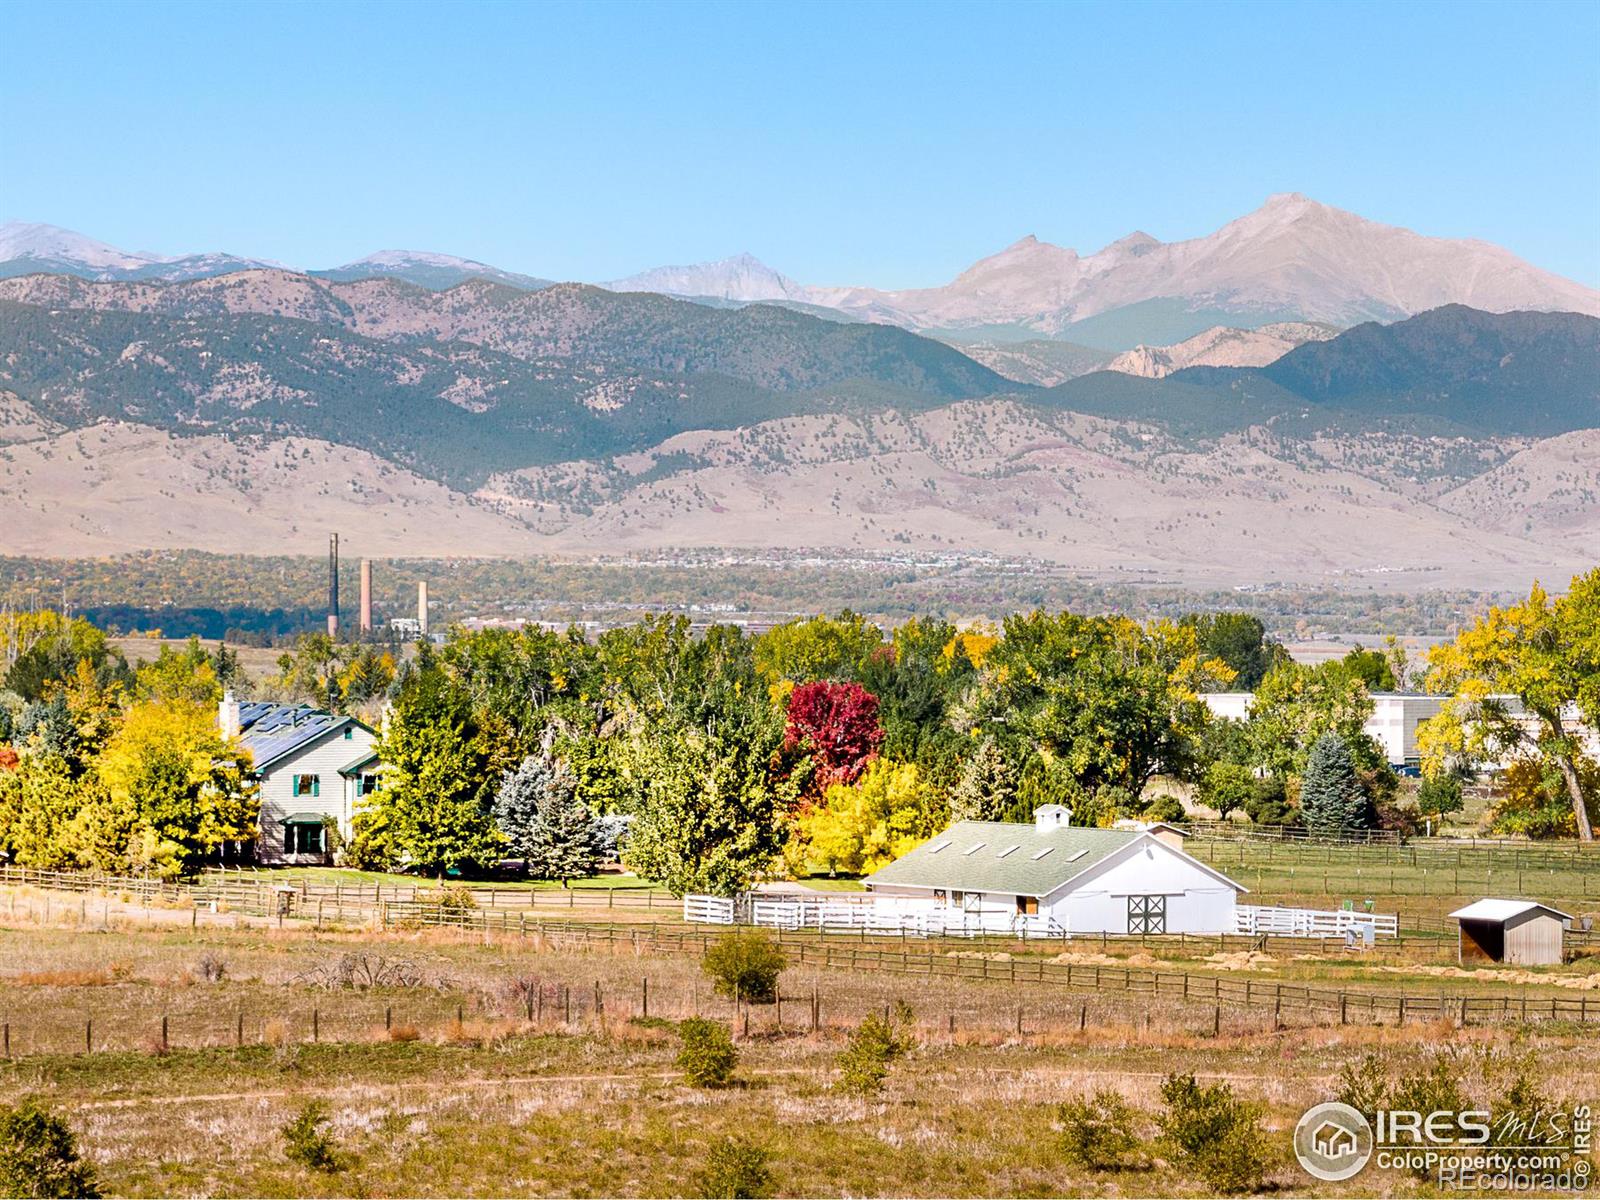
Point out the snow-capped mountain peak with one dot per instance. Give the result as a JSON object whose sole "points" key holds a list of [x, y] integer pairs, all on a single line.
{"points": [[742, 277], [51, 243]]}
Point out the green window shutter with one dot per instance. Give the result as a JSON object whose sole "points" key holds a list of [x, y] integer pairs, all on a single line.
{"points": [[316, 785]]}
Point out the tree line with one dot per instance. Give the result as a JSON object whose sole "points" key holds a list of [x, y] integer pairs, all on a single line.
{"points": [[825, 745]]}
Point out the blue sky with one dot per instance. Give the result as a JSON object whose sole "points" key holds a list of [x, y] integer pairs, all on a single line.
{"points": [[889, 144]]}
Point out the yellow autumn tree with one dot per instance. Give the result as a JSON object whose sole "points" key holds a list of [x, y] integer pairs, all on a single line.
{"points": [[1514, 679], [186, 789], [861, 826]]}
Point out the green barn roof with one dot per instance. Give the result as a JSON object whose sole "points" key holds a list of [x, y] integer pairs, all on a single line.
{"points": [[998, 856]]}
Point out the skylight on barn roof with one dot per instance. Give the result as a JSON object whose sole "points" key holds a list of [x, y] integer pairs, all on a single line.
{"points": [[1078, 855], [938, 846], [974, 848], [1038, 854], [1012, 849]]}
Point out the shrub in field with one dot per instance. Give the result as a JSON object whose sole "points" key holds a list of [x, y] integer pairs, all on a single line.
{"points": [[1436, 1088], [1523, 1116], [1214, 1132], [39, 1155], [1165, 808], [864, 1062], [707, 1056], [745, 963], [1098, 1131], [734, 1170], [451, 897], [211, 968], [306, 1142], [1364, 1086]]}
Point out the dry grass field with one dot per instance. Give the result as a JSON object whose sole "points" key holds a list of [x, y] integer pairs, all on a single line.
{"points": [[437, 1081]]}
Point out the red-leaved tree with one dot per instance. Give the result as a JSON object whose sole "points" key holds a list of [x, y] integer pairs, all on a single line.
{"points": [[837, 724]]}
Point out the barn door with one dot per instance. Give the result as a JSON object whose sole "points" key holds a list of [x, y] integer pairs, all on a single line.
{"points": [[1147, 914]]}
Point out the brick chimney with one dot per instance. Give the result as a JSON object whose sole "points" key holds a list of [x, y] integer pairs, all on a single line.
{"points": [[228, 716]]}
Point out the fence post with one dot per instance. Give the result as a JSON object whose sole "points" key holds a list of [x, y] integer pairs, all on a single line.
{"points": [[238, 1031], [644, 997], [163, 1032], [1083, 1016], [316, 1022], [7, 1039], [88, 1037], [1216, 1020]]}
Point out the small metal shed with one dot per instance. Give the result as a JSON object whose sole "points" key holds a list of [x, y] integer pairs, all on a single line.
{"points": [[1523, 932]]}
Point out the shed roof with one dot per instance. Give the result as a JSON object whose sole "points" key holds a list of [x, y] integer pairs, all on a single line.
{"points": [[999, 856], [1503, 910], [271, 731]]}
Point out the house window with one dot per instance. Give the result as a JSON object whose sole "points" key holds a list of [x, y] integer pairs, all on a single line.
{"points": [[1028, 906], [958, 899], [300, 838], [1147, 914], [349, 734], [307, 785], [368, 784]]}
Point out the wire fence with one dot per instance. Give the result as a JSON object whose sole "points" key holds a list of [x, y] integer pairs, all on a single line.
{"points": [[832, 953]]}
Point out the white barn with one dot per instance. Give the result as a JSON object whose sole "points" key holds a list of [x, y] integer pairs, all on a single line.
{"points": [[313, 768], [1083, 880]]}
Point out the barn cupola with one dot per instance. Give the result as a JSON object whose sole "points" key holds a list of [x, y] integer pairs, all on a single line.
{"points": [[1051, 816]]}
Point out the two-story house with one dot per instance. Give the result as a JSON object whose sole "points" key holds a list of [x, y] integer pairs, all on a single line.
{"points": [[313, 768]]}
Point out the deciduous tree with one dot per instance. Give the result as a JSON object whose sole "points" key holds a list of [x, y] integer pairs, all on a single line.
{"points": [[837, 724], [1511, 678], [861, 826]]}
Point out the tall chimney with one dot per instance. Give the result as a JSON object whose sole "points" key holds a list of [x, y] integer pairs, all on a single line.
{"points": [[228, 716], [366, 595], [422, 606], [333, 585]]}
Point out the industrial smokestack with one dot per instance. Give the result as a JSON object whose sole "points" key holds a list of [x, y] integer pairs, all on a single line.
{"points": [[422, 606], [333, 585], [366, 595]]}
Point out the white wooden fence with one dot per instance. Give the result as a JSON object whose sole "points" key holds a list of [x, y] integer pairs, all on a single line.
{"points": [[923, 919], [1312, 922], [872, 915]]}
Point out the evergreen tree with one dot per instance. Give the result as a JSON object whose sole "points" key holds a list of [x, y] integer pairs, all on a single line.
{"points": [[1331, 800], [985, 791], [544, 823]]}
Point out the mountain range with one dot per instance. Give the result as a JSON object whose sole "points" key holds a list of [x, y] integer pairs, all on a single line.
{"points": [[426, 404], [1291, 260]]}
